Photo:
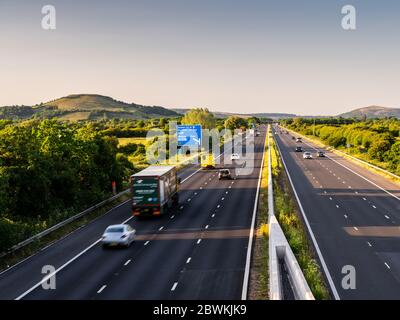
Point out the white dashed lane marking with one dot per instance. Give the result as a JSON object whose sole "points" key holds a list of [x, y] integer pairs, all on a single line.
{"points": [[127, 262], [174, 286], [101, 289]]}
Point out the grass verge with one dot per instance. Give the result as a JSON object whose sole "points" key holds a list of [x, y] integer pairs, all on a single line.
{"points": [[258, 287], [289, 219]]}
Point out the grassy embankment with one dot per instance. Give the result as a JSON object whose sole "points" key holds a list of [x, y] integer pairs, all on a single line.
{"points": [[258, 289], [289, 220], [180, 161]]}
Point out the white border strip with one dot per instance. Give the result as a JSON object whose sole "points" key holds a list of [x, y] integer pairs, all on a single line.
{"points": [[253, 220], [321, 258]]}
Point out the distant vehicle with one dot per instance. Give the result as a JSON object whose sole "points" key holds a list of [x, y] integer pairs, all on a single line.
{"points": [[224, 174], [235, 156], [307, 155], [257, 133], [252, 132], [293, 138], [320, 154], [299, 149], [298, 139], [208, 161], [118, 235], [154, 190]]}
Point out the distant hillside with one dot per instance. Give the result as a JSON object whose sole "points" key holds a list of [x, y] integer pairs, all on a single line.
{"points": [[372, 112], [222, 115], [86, 107]]}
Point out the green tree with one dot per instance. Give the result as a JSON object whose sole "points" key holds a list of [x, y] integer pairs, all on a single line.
{"points": [[140, 124], [234, 122], [200, 116]]}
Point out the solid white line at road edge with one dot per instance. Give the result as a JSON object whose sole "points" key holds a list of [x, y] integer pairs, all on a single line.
{"points": [[352, 171], [46, 278], [253, 220], [321, 258]]}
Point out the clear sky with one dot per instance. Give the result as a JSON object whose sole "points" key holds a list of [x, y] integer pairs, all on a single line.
{"points": [[228, 55]]}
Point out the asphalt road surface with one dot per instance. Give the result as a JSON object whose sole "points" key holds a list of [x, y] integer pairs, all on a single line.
{"points": [[197, 251], [354, 216]]}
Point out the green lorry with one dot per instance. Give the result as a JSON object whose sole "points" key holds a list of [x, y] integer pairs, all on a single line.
{"points": [[154, 190]]}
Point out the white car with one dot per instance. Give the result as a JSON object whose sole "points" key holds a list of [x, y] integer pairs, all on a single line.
{"points": [[235, 156], [307, 155], [118, 235]]}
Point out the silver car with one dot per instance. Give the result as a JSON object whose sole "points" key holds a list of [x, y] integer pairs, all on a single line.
{"points": [[307, 155], [118, 235]]}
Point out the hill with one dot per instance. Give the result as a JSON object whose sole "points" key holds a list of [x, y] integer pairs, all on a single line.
{"points": [[86, 107], [223, 115], [372, 112]]}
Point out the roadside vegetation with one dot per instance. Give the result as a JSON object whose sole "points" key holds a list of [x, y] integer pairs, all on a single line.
{"points": [[374, 141], [259, 276], [293, 228], [51, 170]]}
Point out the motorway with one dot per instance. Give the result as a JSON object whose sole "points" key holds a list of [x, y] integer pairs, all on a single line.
{"points": [[198, 251], [354, 216]]}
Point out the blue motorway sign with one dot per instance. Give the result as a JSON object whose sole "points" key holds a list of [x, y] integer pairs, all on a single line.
{"points": [[189, 135]]}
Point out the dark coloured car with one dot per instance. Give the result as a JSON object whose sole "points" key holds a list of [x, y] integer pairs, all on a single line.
{"points": [[224, 174], [320, 154], [299, 149]]}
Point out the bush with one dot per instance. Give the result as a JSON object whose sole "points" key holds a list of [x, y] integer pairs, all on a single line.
{"points": [[12, 233]]}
